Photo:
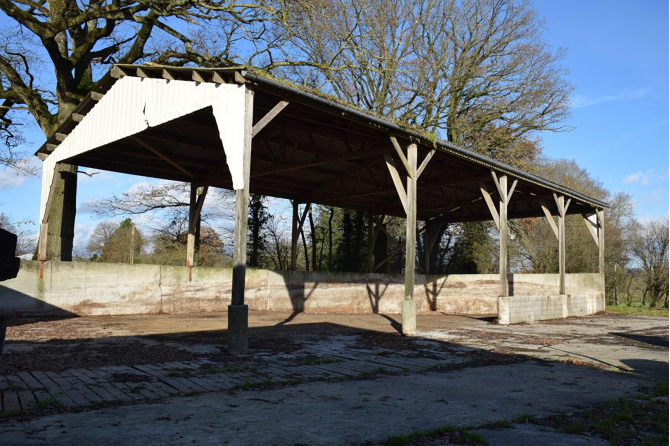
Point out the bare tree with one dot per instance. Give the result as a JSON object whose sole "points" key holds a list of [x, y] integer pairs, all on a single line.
{"points": [[100, 237], [649, 249], [54, 52]]}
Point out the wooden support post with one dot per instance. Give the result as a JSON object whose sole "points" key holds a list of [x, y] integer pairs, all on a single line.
{"points": [[409, 306], [196, 202], [294, 236], [298, 222], [562, 206], [503, 227], [238, 312], [432, 231], [504, 237], [561, 245], [408, 199], [371, 243], [57, 226], [600, 214]]}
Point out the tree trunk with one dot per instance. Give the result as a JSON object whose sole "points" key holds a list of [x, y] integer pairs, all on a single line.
{"points": [[61, 214]]}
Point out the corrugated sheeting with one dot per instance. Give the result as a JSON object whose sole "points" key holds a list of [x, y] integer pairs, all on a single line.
{"points": [[133, 104]]}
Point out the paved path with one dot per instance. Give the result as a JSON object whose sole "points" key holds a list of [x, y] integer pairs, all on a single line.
{"points": [[89, 386], [336, 413], [336, 388]]}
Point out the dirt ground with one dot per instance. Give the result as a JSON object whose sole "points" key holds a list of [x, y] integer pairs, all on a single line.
{"points": [[111, 365]]}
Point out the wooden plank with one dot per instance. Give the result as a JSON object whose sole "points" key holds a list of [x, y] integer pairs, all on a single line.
{"points": [[403, 160], [77, 117], [489, 203], [425, 162], [60, 136], [265, 120], [97, 96], [51, 147], [162, 156], [397, 181], [550, 218]]}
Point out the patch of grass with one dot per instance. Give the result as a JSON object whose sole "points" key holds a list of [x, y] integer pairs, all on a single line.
{"points": [[179, 372], [248, 385], [661, 389], [636, 311], [319, 361], [39, 408], [373, 372], [575, 428], [45, 404], [523, 418], [452, 434], [642, 420], [9, 413]]}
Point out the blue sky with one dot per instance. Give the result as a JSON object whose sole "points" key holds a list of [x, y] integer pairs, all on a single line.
{"points": [[617, 54]]}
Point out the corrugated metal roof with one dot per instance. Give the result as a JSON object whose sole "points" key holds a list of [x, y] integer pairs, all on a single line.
{"points": [[311, 98]]}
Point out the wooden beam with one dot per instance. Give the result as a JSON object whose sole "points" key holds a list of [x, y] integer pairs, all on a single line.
{"points": [[167, 74], [589, 226], [162, 156], [265, 120], [511, 191], [197, 199], [297, 223], [77, 117], [97, 96], [198, 77], [425, 162], [496, 182], [403, 160], [489, 203], [60, 136], [51, 147], [317, 162], [397, 181], [550, 218]]}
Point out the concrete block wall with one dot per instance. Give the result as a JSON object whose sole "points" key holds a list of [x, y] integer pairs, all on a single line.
{"points": [[105, 289], [520, 309]]}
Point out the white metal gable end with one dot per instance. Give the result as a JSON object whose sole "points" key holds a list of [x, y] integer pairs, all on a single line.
{"points": [[134, 104]]}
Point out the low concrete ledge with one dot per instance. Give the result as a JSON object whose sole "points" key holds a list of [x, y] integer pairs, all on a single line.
{"points": [[84, 288], [524, 309]]}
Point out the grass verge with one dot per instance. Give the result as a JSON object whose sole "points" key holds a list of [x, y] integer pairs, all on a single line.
{"points": [[636, 311]]}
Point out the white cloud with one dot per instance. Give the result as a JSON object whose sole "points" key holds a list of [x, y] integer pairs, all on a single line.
{"points": [[645, 178], [9, 179], [633, 178], [580, 101]]}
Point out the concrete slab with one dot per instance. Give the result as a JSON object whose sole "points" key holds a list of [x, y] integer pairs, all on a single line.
{"points": [[335, 413], [533, 435]]}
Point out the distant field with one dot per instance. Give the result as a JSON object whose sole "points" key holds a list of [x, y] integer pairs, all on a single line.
{"points": [[636, 311]]}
